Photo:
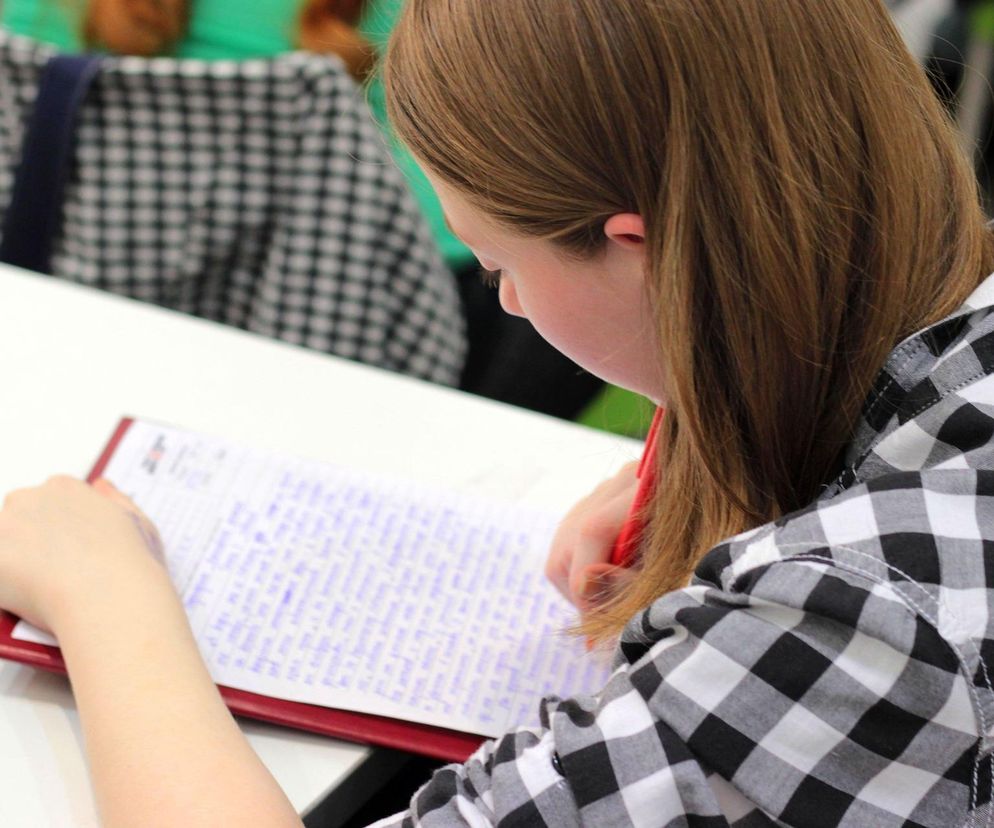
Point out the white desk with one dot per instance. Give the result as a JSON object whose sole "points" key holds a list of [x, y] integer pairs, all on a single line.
{"points": [[75, 360]]}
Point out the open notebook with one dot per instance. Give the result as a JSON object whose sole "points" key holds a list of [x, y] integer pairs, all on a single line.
{"points": [[362, 606]]}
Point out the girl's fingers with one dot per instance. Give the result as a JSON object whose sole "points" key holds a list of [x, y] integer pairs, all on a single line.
{"points": [[599, 581], [145, 526], [595, 539], [111, 492], [588, 533]]}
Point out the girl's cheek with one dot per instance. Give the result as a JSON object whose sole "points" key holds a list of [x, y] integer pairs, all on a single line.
{"points": [[509, 298]]}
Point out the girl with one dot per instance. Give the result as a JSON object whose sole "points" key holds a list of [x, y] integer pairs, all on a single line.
{"points": [[754, 212]]}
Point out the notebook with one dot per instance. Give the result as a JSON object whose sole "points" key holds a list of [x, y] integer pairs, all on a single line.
{"points": [[363, 606]]}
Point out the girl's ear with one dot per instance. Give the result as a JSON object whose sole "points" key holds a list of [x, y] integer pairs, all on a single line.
{"points": [[626, 229]]}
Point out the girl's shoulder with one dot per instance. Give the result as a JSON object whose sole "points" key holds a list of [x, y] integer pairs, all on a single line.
{"points": [[900, 546], [835, 659]]}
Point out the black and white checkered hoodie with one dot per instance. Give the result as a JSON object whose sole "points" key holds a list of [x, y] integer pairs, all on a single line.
{"points": [[257, 193], [833, 668]]}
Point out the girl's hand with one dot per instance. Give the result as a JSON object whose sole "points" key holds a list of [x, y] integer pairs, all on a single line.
{"points": [[579, 562], [66, 543], [81, 561]]}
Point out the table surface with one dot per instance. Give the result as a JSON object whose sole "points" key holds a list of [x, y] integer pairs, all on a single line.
{"points": [[75, 360]]}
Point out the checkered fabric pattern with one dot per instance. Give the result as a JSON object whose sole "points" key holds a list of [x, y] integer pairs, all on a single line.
{"points": [[254, 193], [829, 669]]}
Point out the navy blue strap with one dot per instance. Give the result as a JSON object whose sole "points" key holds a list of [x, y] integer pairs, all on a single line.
{"points": [[34, 215]]}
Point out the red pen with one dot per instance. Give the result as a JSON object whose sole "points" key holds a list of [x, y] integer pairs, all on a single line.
{"points": [[626, 546]]}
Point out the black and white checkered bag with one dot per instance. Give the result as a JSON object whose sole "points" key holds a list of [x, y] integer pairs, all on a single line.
{"points": [[256, 193]]}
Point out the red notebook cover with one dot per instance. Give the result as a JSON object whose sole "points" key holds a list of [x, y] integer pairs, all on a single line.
{"points": [[436, 742]]}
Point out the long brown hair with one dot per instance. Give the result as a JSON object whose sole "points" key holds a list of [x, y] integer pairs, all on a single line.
{"points": [[154, 27], [806, 205]]}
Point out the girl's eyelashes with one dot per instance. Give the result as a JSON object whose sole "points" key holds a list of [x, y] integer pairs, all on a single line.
{"points": [[491, 278]]}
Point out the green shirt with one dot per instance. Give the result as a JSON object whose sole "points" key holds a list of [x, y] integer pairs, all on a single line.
{"points": [[265, 28]]}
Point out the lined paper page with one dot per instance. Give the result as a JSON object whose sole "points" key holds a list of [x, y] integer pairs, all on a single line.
{"points": [[319, 584]]}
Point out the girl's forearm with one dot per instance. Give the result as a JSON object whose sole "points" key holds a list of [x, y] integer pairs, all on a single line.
{"points": [[163, 749]]}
